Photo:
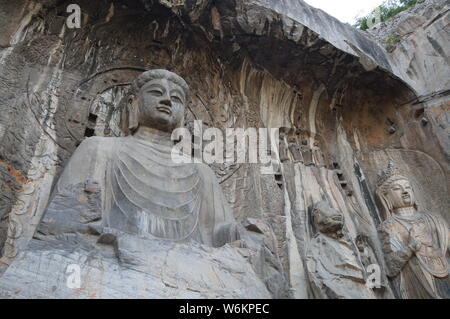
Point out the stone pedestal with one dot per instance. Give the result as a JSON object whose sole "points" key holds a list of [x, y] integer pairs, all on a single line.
{"points": [[126, 266]]}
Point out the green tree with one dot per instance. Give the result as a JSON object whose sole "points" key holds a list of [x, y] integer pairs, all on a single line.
{"points": [[387, 10]]}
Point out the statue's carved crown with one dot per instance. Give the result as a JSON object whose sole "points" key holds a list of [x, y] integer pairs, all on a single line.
{"points": [[391, 172]]}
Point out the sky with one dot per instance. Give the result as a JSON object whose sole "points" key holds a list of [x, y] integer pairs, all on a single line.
{"points": [[346, 10]]}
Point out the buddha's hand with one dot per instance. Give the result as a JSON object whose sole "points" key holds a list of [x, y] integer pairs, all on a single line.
{"points": [[413, 244], [225, 233]]}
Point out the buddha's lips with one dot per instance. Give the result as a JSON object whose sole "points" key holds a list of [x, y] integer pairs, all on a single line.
{"points": [[165, 109]]}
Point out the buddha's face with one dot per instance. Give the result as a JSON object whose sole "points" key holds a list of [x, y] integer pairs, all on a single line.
{"points": [[400, 194], [327, 219], [161, 105]]}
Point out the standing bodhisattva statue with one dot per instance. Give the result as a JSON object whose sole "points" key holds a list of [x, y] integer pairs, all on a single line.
{"points": [[142, 190], [415, 242]]}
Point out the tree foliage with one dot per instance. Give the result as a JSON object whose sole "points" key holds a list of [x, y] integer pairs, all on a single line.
{"points": [[387, 10]]}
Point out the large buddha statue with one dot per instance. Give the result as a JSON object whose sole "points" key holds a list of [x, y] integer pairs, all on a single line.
{"points": [[415, 242], [138, 224], [142, 190]]}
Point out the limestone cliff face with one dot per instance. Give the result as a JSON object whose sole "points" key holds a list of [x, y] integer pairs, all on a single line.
{"points": [[344, 102], [418, 42]]}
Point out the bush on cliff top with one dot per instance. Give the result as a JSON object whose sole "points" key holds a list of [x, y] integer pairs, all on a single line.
{"points": [[384, 12]]}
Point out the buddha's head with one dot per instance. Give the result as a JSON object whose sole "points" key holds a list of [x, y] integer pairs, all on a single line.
{"points": [[158, 101], [326, 219], [395, 190]]}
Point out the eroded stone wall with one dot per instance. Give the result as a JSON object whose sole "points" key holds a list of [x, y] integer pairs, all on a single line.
{"points": [[248, 65]]}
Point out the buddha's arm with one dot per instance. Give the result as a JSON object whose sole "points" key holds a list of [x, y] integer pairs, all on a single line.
{"points": [[444, 233], [226, 229], [75, 201], [448, 243], [396, 254], [448, 237], [85, 163], [311, 265]]}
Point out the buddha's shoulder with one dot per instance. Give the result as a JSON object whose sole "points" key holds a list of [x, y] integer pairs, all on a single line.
{"points": [[97, 144], [430, 213], [433, 215]]}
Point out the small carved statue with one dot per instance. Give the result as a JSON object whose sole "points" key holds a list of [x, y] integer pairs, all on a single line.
{"points": [[415, 242], [283, 150], [306, 153], [317, 155], [295, 150], [334, 267]]}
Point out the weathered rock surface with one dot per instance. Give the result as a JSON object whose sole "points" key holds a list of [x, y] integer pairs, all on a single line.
{"points": [[133, 268], [345, 104], [418, 41]]}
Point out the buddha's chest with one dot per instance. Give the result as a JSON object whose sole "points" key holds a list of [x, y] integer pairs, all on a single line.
{"points": [[419, 229], [149, 194]]}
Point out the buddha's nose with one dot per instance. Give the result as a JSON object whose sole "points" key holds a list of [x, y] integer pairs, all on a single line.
{"points": [[166, 101]]}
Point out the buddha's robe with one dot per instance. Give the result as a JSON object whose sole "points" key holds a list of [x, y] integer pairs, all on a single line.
{"points": [[144, 192], [421, 274], [335, 269]]}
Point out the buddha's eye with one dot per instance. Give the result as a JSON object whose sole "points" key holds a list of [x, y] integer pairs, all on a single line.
{"points": [[155, 92], [176, 99]]}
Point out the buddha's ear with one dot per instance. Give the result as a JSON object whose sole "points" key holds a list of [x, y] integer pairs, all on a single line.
{"points": [[416, 206], [387, 205], [133, 113], [182, 122]]}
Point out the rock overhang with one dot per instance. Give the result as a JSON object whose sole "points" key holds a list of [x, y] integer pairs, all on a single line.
{"points": [[293, 26]]}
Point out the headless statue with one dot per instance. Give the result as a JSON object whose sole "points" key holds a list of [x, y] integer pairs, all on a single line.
{"points": [[415, 243], [141, 190], [334, 267]]}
